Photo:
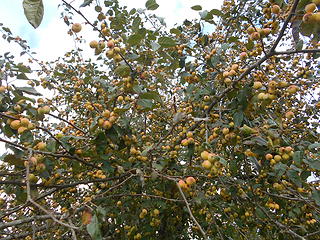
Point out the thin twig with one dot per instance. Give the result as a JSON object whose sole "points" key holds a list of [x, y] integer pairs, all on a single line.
{"points": [[29, 198], [190, 212]]}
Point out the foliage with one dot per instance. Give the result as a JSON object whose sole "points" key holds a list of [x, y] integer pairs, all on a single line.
{"points": [[165, 133]]}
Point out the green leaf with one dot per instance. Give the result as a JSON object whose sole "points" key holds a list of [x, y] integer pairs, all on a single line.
{"points": [[238, 118], [123, 70], [33, 10], [316, 196], [314, 146], [155, 46], [297, 157], [23, 68], [135, 39], [294, 177], [151, 5], [260, 213], [175, 31], [29, 90], [280, 169], [94, 229], [196, 8], [167, 42], [145, 103], [151, 95], [86, 3], [216, 12], [13, 160]]}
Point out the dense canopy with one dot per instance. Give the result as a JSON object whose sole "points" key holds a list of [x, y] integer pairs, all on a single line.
{"points": [[207, 130]]}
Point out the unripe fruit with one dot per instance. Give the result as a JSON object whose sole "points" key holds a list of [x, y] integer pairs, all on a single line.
{"points": [[261, 96], [93, 44], [101, 45], [277, 158], [117, 58], [309, 8], [204, 155], [250, 30], [33, 178], [76, 27]]}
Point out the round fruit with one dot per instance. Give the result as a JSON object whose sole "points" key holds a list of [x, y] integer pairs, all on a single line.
{"points": [[110, 44], [309, 8], [275, 9], [206, 164], [190, 180], [182, 184], [257, 85], [93, 44], [15, 124], [76, 27]]}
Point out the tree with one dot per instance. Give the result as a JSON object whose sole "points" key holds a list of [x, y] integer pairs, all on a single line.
{"points": [[165, 133]]}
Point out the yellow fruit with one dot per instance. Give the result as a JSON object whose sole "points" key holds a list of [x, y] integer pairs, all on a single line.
{"points": [[225, 131], [93, 44], [15, 124], [190, 180], [289, 115], [285, 156], [76, 27], [2, 89], [120, 99], [277, 158], [41, 145], [309, 8], [250, 30], [156, 212], [22, 129], [257, 85], [292, 89], [204, 155], [33, 178], [107, 124], [206, 164], [308, 18]]}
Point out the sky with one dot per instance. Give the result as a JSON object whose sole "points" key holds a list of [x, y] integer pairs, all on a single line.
{"points": [[50, 39]]}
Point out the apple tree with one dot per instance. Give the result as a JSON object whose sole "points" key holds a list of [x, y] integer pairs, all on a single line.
{"points": [[206, 130]]}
